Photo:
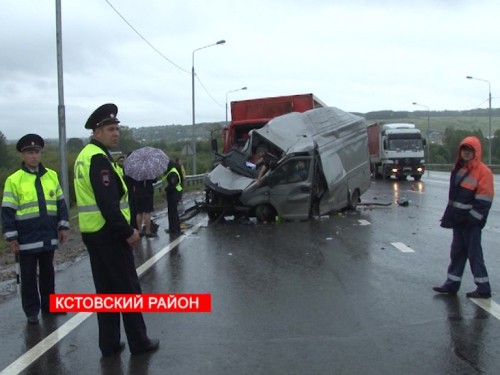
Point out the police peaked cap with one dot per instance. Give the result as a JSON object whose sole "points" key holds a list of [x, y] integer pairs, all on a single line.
{"points": [[30, 142], [104, 115]]}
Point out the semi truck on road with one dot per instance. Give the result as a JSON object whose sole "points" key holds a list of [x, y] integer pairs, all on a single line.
{"points": [[396, 150]]}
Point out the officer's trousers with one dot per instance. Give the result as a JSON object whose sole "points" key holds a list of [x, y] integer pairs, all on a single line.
{"points": [[113, 270], [466, 244], [35, 290], [174, 224]]}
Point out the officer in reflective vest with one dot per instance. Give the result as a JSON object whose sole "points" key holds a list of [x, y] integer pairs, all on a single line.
{"points": [[104, 220], [34, 222], [174, 195]]}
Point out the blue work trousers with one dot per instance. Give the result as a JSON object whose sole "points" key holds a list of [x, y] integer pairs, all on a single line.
{"points": [[466, 244]]}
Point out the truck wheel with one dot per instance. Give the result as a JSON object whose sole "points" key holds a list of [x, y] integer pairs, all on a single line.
{"points": [[353, 200], [265, 213], [417, 177]]}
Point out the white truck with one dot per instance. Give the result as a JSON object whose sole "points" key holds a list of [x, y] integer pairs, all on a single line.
{"points": [[396, 150]]}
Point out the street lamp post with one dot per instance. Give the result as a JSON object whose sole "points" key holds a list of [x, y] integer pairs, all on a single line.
{"points": [[489, 114], [193, 101], [243, 88], [428, 132]]}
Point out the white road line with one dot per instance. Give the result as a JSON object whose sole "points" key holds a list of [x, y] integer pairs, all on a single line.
{"points": [[43, 346], [488, 305], [364, 222], [402, 247]]}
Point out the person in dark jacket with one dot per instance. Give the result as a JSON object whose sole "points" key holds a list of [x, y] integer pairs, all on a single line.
{"points": [[173, 180], [104, 220], [34, 222], [470, 199], [144, 204]]}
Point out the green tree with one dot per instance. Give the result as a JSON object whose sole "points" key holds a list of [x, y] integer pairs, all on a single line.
{"points": [[5, 162], [127, 141], [453, 137], [495, 148], [74, 144], [4, 152]]}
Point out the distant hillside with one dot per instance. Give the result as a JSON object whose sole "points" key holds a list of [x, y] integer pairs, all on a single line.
{"points": [[476, 119]]}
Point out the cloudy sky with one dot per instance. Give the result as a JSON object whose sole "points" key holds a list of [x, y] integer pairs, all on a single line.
{"points": [[358, 55]]}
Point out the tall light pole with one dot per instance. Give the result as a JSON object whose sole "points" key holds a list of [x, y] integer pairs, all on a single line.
{"points": [[489, 114], [61, 112], [243, 88], [192, 99], [428, 131]]}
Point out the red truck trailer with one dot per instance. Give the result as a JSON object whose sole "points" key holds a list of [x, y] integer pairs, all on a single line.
{"points": [[252, 114]]}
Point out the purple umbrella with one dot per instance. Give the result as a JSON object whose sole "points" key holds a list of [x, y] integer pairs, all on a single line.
{"points": [[146, 163]]}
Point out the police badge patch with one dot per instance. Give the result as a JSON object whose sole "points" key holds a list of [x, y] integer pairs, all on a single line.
{"points": [[105, 179]]}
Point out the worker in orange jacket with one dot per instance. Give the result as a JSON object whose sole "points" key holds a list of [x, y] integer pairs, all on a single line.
{"points": [[470, 198]]}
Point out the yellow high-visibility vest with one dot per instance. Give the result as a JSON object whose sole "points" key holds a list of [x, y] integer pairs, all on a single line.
{"points": [[89, 215], [178, 187]]}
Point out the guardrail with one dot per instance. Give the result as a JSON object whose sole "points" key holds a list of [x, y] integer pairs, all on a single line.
{"points": [[194, 180], [495, 168]]}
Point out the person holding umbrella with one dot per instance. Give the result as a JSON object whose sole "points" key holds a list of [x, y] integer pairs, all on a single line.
{"points": [[143, 166], [104, 219], [144, 200]]}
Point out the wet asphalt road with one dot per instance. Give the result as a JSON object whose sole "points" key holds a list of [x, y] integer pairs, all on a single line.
{"points": [[346, 294]]}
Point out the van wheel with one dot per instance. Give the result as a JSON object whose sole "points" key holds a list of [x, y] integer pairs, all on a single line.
{"points": [[353, 200], [265, 213]]}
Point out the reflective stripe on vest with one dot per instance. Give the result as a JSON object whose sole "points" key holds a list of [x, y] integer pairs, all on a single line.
{"points": [[89, 215], [178, 187], [21, 194]]}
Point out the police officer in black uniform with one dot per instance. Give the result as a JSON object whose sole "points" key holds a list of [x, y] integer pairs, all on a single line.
{"points": [[34, 222], [106, 231]]}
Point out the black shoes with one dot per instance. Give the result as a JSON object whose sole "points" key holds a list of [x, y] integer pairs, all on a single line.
{"points": [[476, 294], [153, 345], [443, 290], [33, 319], [116, 350]]}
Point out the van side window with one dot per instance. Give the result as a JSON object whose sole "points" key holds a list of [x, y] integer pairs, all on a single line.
{"points": [[292, 171]]}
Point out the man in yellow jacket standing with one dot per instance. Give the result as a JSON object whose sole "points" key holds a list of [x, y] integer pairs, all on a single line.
{"points": [[34, 223]]}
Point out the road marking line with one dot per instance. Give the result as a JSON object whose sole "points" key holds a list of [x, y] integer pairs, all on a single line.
{"points": [[364, 222], [402, 247], [488, 305], [155, 258], [43, 346]]}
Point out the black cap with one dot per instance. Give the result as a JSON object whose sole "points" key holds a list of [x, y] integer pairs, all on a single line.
{"points": [[104, 115], [30, 142]]}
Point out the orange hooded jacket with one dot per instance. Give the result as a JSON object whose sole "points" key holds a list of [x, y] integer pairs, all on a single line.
{"points": [[471, 189]]}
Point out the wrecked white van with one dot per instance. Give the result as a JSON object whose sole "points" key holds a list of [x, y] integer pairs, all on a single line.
{"points": [[321, 165]]}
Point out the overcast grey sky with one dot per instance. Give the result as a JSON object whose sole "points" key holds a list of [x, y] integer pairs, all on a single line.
{"points": [[357, 55]]}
